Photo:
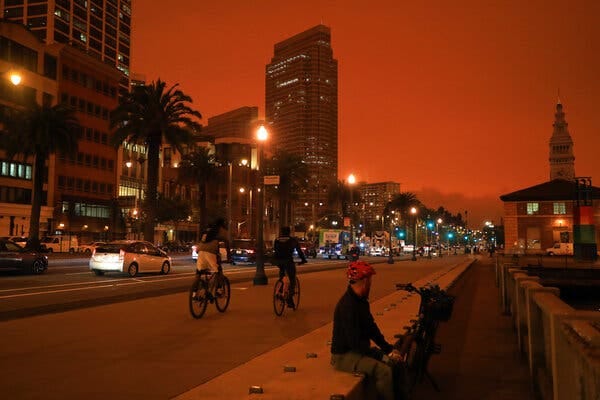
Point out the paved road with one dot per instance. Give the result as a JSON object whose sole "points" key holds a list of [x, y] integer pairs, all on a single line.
{"points": [[151, 348]]}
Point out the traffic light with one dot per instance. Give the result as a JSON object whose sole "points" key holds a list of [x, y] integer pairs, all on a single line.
{"points": [[430, 225], [400, 234]]}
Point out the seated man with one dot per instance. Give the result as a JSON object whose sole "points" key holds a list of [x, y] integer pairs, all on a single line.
{"points": [[353, 330]]}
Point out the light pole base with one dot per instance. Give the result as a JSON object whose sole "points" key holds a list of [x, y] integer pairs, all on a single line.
{"points": [[390, 259], [260, 280], [414, 257]]}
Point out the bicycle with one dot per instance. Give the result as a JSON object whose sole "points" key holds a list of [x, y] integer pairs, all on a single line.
{"points": [[201, 292], [417, 345], [281, 292]]}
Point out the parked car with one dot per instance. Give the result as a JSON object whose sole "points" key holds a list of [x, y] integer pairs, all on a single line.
{"points": [[14, 256], [60, 243], [243, 251], [89, 248], [130, 256], [308, 248]]}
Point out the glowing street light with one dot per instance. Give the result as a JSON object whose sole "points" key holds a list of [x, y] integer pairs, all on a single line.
{"points": [[413, 211], [260, 278]]}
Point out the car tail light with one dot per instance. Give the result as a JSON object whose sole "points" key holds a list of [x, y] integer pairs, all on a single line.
{"points": [[93, 252], [250, 251], [121, 255]]}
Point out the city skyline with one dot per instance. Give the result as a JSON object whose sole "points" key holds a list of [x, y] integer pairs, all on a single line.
{"points": [[477, 84]]}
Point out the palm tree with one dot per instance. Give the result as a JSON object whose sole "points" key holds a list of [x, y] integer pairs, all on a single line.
{"points": [[149, 115], [38, 132], [341, 195], [402, 202], [293, 174], [199, 167]]}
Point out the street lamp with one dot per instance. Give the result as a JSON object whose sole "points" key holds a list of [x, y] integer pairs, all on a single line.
{"points": [[413, 211], [438, 222], [260, 278], [351, 181], [390, 259], [429, 228]]}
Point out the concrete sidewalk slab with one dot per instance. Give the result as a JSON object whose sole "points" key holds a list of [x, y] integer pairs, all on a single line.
{"points": [[314, 376]]}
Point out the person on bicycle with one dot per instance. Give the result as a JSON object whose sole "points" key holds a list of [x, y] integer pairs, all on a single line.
{"points": [[283, 248], [353, 329], [209, 256]]}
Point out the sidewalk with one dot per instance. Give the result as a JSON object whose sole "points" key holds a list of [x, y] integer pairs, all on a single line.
{"points": [[479, 358]]}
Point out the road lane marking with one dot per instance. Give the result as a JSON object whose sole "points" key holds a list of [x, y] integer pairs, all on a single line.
{"points": [[117, 282]]}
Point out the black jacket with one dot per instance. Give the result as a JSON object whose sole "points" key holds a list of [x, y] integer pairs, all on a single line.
{"points": [[284, 250], [354, 326]]}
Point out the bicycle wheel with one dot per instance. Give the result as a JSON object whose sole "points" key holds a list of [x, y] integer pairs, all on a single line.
{"points": [[199, 302], [278, 300], [297, 294], [222, 292]]}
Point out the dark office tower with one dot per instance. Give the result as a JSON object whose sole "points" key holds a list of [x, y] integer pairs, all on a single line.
{"points": [[102, 28], [302, 109]]}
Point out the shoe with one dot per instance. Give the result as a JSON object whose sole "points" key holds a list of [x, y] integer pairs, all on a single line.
{"points": [[290, 303]]}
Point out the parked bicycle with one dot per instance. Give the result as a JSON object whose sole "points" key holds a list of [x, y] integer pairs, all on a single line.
{"points": [[418, 344], [280, 295], [209, 287]]}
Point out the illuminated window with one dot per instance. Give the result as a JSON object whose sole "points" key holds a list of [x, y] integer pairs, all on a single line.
{"points": [[533, 208], [560, 208]]}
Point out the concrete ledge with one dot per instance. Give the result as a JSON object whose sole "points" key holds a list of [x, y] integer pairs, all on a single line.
{"points": [[314, 378]]}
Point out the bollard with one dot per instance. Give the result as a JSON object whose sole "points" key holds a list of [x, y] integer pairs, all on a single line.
{"points": [[289, 368], [311, 355]]}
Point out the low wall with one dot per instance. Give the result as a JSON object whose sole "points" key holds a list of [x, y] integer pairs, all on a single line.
{"points": [[562, 344]]}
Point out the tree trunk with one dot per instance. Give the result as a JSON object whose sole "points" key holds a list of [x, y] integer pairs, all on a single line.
{"points": [[36, 201], [150, 202]]}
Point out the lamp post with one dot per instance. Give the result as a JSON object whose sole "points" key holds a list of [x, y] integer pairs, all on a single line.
{"points": [[413, 211], [260, 278], [229, 199], [390, 259], [351, 181], [438, 222], [429, 228]]}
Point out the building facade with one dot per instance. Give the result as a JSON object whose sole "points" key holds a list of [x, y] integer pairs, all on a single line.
{"points": [[79, 188], [374, 198], [100, 28], [301, 107], [537, 217]]}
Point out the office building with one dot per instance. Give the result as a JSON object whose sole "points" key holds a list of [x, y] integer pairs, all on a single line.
{"points": [[101, 28], [301, 108]]}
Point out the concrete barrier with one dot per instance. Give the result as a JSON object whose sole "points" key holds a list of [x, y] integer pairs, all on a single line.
{"points": [[562, 344], [301, 369]]}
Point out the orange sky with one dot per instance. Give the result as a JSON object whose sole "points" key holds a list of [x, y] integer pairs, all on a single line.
{"points": [[454, 100]]}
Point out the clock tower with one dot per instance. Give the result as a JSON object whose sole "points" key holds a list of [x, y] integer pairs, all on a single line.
{"points": [[562, 160]]}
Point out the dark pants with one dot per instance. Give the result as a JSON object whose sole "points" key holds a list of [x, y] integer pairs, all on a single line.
{"points": [[385, 377], [289, 268]]}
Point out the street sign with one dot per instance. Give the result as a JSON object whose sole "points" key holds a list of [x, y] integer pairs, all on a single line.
{"points": [[271, 180]]}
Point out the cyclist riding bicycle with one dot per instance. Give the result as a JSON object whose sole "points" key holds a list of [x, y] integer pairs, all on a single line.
{"points": [[209, 257], [284, 247], [353, 329]]}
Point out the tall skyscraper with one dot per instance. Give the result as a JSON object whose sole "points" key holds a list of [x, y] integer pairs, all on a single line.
{"points": [[562, 160], [102, 28], [301, 107]]}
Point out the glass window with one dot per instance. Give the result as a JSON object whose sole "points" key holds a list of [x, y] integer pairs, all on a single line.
{"points": [[560, 208], [533, 208]]}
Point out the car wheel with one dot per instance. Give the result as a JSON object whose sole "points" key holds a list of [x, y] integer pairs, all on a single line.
{"points": [[50, 250], [166, 267], [550, 253], [98, 272], [38, 267], [87, 251], [132, 270]]}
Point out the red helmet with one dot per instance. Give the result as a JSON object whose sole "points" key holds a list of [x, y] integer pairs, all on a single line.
{"points": [[358, 270]]}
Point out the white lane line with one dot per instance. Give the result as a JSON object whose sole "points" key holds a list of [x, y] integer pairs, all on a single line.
{"points": [[102, 284], [53, 291], [79, 273]]}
